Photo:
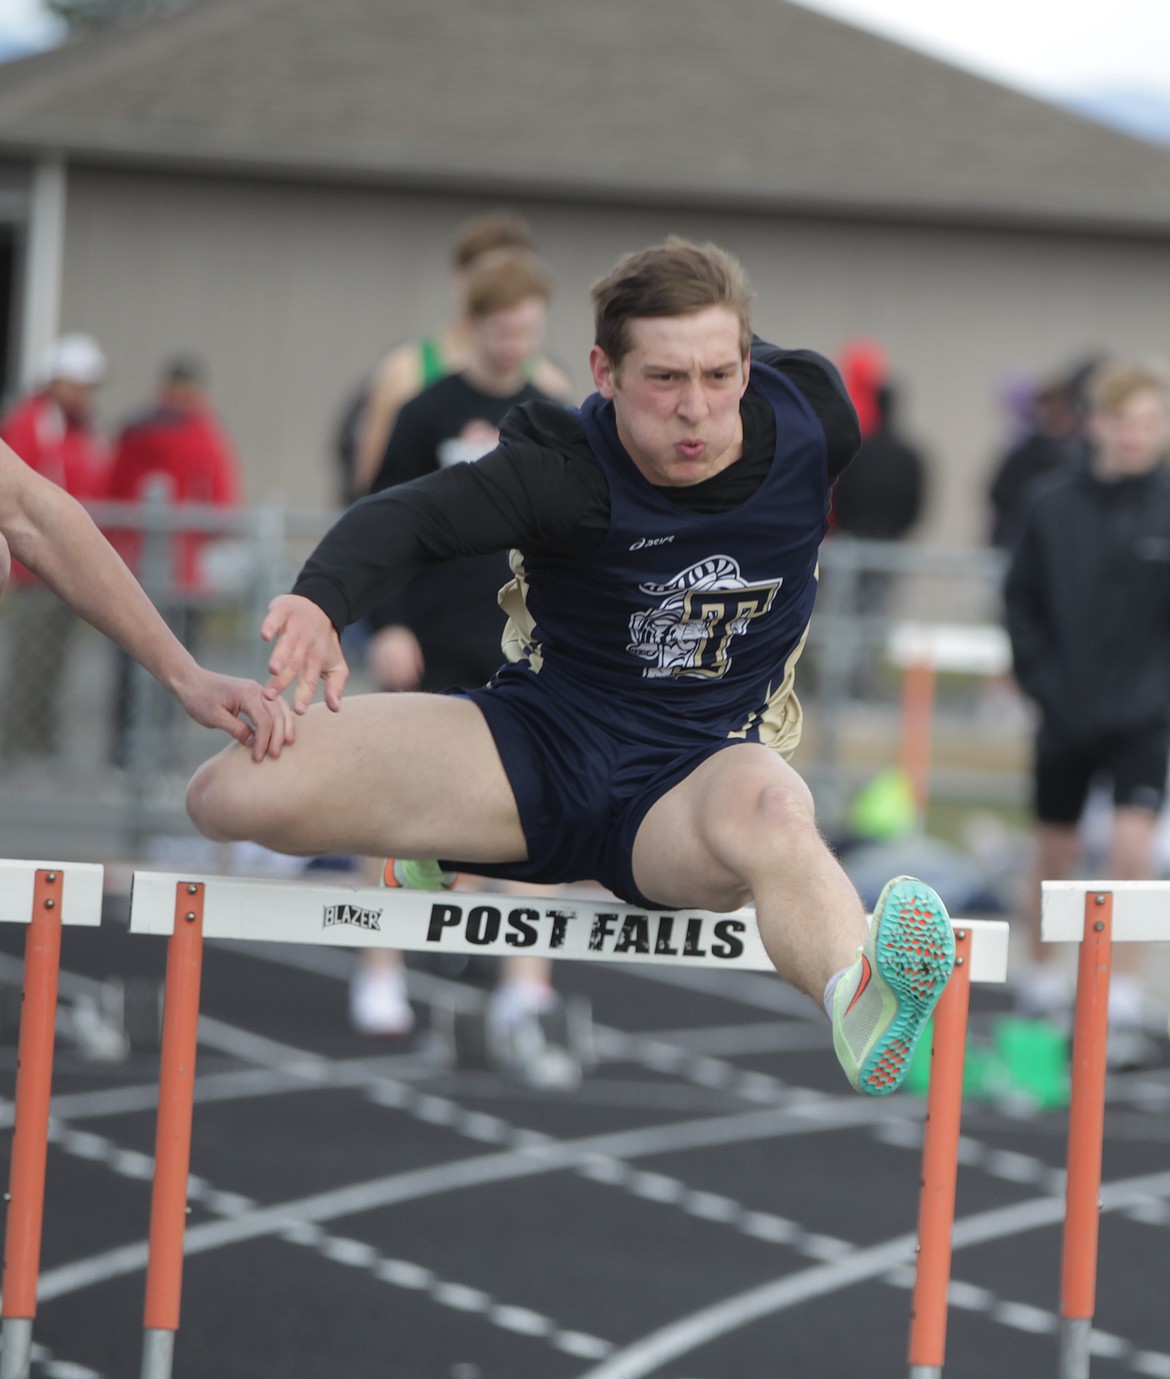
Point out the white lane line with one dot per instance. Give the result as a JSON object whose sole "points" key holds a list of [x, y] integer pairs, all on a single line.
{"points": [[650, 1051], [740, 1041], [680, 1338], [45, 1364], [544, 1157], [755, 989], [459, 1297], [1150, 1364]]}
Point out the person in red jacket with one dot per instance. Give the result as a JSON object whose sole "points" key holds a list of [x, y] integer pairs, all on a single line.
{"points": [[178, 445], [53, 535], [51, 429]]}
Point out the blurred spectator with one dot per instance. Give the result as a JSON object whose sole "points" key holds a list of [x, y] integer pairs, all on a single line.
{"points": [[1054, 439], [406, 370], [443, 629], [451, 610], [52, 431], [1087, 603], [864, 372], [881, 495], [179, 448]]}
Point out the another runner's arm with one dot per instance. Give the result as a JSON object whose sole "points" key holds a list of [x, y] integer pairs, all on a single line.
{"points": [[520, 495], [824, 390]]}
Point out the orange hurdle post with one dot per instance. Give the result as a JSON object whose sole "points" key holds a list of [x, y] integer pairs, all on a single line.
{"points": [[172, 1154], [936, 1210], [1086, 1133], [30, 1138]]}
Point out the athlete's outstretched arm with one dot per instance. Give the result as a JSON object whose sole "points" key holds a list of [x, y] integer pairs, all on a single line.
{"points": [[53, 535]]}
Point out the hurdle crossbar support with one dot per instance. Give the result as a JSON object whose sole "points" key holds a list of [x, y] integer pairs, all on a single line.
{"points": [[191, 909], [1086, 1134], [936, 1213], [490, 924], [30, 1138], [172, 1155], [45, 896]]}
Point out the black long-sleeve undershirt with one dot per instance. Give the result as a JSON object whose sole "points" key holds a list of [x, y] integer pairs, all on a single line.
{"points": [[543, 491]]}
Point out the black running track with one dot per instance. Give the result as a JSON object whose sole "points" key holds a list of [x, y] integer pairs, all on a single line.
{"points": [[712, 1203]]}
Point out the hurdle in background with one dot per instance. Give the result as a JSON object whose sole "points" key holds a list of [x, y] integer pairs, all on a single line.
{"points": [[192, 908], [923, 651], [43, 895], [1095, 914]]}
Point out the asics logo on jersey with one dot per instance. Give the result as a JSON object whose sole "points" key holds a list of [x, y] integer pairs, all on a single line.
{"points": [[651, 541]]}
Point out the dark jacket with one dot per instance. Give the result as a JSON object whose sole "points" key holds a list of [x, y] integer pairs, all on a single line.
{"points": [[1087, 602]]}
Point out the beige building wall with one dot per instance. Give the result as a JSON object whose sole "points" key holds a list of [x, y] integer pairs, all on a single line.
{"points": [[291, 292]]}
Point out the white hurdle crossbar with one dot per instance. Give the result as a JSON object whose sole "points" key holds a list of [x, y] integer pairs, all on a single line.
{"points": [[43, 895], [565, 927], [1094, 914]]}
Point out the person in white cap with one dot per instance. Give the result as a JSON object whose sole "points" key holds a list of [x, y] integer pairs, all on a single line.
{"points": [[52, 431]]}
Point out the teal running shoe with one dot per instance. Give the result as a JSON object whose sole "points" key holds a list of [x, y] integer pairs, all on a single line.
{"points": [[883, 1002]]}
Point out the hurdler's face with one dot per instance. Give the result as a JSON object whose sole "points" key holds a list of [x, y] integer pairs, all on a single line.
{"points": [[676, 395]]}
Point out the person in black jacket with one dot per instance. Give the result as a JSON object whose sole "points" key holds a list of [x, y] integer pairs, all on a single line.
{"points": [[1054, 442], [1087, 602]]}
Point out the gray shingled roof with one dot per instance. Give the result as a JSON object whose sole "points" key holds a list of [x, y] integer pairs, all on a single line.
{"points": [[740, 103]]}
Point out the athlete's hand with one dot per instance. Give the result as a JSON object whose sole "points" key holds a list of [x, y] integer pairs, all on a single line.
{"points": [[240, 708], [306, 651]]}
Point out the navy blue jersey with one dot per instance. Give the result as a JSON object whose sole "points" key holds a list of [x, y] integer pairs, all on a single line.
{"points": [[699, 617]]}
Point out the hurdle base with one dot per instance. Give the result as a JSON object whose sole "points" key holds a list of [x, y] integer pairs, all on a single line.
{"points": [[158, 1353], [1076, 1334], [16, 1352]]}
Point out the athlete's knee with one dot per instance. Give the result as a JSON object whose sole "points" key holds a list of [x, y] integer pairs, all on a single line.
{"points": [[217, 810], [785, 809], [761, 818]]}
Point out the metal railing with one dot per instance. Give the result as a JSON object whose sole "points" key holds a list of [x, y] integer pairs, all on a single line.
{"points": [[107, 776]]}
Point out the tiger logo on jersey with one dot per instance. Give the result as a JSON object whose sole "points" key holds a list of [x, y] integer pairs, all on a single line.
{"points": [[690, 629]]}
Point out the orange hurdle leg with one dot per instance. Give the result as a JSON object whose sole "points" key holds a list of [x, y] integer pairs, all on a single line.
{"points": [[172, 1155], [940, 1150], [1086, 1132], [30, 1136]]}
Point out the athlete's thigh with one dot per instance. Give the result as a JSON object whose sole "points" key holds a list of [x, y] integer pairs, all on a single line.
{"points": [[690, 846], [391, 774]]}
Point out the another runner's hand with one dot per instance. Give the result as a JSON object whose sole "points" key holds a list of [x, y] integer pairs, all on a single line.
{"points": [[306, 652], [240, 708]]}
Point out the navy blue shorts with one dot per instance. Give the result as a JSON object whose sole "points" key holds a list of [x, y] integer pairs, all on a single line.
{"points": [[1134, 760], [584, 778]]}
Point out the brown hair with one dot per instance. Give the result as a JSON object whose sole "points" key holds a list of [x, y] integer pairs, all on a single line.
{"points": [[676, 278], [483, 233], [1113, 384], [504, 279]]}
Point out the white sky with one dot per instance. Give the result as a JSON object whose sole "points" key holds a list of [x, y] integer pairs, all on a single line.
{"points": [[23, 19], [1047, 46]]}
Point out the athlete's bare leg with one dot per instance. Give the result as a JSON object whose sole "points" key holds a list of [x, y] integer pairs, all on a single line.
{"points": [[398, 775], [742, 827]]}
